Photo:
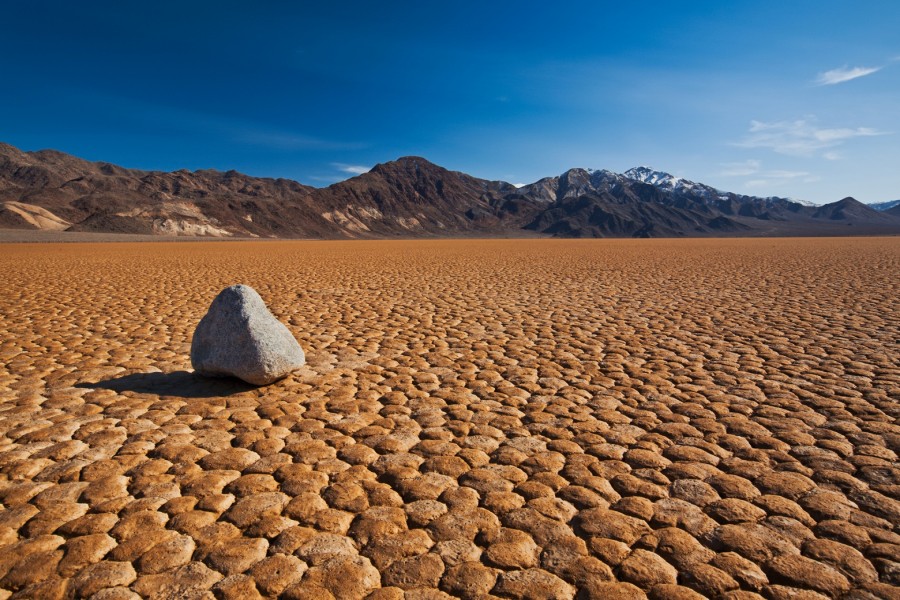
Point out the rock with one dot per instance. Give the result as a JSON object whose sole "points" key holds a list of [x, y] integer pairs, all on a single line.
{"points": [[469, 580], [384, 550], [454, 552], [533, 584], [848, 561], [803, 572], [823, 505], [612, 552], [239, 337], [276, 573], [674, 512], [237, 555], [619, 590], [115, 593], [752, 541], [735, 510], [237, 587], [168, 555], [249, 510], [33, 569], [16, 553], [513, 549], [785, 592], [350, 577], [424, 570], [385, 593], [646, 569], [777, 505], [50, 589], [745, 572], [103, 575], [324, 546], [423, 512], [680, 548], [611, 524], [635, 506], [377, 523], [889, 570], [189, 581], [788, 485], [708, 580], [83, 551], [698, 493], [668, 591]]}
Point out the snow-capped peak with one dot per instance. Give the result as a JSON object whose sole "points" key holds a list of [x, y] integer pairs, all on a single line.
{"points": [[657, 178]]}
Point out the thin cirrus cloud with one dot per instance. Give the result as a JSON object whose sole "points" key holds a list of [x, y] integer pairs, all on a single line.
{"points": [[802, 137], [842, 74], [780, 177], [351, 169], [762, 177], [741, 169], [285, 141]]}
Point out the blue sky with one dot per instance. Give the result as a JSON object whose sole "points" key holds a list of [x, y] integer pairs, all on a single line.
{"points": [[793, 98]]}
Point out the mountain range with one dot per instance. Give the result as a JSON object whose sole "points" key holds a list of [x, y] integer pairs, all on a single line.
{"points": [[408, 197]]}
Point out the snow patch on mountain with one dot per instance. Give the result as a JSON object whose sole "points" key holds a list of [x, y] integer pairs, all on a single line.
{"points": [[709, 194], [885, 205]]}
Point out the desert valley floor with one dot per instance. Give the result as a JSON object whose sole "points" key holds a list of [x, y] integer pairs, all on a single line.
{"points": [[518, 419]]}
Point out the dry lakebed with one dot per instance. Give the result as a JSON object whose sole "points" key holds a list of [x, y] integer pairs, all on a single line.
{"points": [[668, 419]]}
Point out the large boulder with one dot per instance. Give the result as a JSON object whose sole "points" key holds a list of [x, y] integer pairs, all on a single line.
{"points": [[239, 337]]}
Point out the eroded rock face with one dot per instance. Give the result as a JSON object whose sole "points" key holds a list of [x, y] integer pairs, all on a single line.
{"points": [[239, 337]]}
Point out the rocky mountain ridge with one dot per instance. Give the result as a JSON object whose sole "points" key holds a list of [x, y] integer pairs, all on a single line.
{"points": [[408, 197]]}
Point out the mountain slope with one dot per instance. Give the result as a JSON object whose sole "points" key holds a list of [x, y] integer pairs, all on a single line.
{"points": [[411, 196], [885, 206], [408, 197], [105, 197], [850, 209]]}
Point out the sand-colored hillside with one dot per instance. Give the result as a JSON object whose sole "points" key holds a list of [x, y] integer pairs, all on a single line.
{"points": [[35, 216], [519, 419]]}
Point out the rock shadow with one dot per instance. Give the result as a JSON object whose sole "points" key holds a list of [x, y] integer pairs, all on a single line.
{"points": [[184, 384]]}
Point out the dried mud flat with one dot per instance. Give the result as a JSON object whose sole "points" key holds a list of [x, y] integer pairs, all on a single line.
{"points": [[516, 419]]}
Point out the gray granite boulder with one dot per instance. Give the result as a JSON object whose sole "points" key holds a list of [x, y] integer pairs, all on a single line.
{"points": [[239, 337]]}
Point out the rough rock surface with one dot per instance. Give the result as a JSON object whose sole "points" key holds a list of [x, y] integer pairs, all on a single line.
{"points": [[239, 337]]}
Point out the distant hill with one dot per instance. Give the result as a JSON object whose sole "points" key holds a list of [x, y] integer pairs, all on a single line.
{"points": [[885, 205], [408, 197]]}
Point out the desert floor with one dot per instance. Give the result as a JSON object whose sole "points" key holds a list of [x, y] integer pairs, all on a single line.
{"points": [[525, 419]]}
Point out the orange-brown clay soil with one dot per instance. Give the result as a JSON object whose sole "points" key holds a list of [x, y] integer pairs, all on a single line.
{"points": [[518, 419]]}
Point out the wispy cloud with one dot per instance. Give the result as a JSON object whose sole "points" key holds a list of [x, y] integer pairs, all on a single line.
{"points": [[843, 74], [282, 141], [756, 183], [351, 169], [832, 155], [740, 169], [764, 177], [786, 174], [800, 138]]}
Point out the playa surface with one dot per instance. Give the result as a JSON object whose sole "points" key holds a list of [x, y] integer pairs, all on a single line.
{"points": [[478, 418]]}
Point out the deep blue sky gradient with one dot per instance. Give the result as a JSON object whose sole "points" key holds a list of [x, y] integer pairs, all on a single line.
{"points": [[502, 90]]}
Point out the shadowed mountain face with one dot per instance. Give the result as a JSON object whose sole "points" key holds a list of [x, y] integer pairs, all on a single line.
{"points": [[409, 197]]}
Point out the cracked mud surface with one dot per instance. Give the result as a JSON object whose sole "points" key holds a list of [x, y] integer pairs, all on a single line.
{"points": [[517, 419]]}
